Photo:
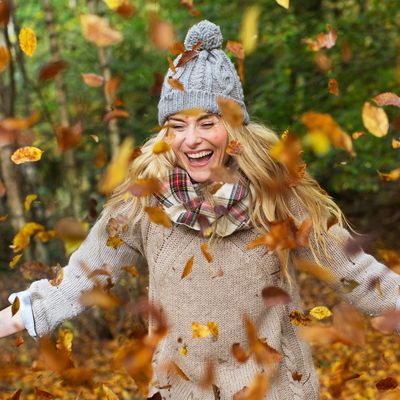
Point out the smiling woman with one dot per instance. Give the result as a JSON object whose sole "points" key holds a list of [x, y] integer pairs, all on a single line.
{"points": [[211, 334], [199, 143]]}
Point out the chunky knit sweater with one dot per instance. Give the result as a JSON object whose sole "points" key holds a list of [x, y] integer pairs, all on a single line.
{"points": [[205, 295]]}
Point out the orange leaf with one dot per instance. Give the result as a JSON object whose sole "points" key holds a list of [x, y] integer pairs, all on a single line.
{"points": [[69, 137], [116, 114], [126, 10], [333, 87], [161, 147], [231, 111], [177, 48], [162, 33], [171, 64], [145, 187], [97, 297], [52, 69], [97, 30], [188, 267], [234, 148], [158, 216], [206, 253], [236, 48], [175, 84], [93, 80], [4, 58], [239, 353]]}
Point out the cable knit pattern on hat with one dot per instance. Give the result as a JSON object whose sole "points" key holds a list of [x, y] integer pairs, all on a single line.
{"points": [[204, 78]]}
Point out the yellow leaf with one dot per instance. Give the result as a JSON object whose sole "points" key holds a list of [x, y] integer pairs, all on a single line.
{"points": [[298, 318], [64, 340], [45, 236], [158, 216], [22, 238], [15, 306], [161, 147], [375, 120], [206, 253], [110, 395], [4, 58], [390, 176], [188, 267], [27, 41], [114, 242], [14, 261], [26, 154], [249, 29], [199, 330], [213, 328], [183, 350], [28, 201], [118, 168], [318, 141], [114, 4], [320, 312], [283, 3]]}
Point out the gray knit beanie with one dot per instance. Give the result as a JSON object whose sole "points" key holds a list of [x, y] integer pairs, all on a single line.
{"points": [[204, 78]]}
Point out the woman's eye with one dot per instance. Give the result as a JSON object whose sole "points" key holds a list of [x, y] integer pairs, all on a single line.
{"points": [[177, 126], [208, 125]]}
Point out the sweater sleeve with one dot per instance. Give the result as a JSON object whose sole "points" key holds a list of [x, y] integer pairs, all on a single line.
{"points": [[51, 305], [361, 280]]}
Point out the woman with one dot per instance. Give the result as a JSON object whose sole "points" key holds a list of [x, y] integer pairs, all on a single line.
{"points": [[212, 297]]}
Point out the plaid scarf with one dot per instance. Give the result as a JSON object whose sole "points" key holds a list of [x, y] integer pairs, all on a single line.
{"points": [[185, 203]]}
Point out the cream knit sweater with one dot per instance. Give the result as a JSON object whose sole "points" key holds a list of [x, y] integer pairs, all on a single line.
{"points": [[203, 297]]}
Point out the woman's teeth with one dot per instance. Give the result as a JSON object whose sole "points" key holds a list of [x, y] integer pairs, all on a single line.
{"points": [[199, 155]]}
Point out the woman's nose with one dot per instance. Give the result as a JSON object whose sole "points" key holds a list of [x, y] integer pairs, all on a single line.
{"points": [[192, 137]]}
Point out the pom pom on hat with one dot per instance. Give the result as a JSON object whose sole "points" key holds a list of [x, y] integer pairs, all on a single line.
{"points": [[205, 32]]}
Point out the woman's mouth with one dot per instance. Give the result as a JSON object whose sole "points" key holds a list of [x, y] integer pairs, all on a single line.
{"points": [[200, 158]]}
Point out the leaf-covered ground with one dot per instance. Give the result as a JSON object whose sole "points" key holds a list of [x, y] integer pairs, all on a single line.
{"points": [[345, 372]]}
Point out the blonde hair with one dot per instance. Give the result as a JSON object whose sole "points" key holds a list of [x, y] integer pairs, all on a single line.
{"points": [[268, 203]]}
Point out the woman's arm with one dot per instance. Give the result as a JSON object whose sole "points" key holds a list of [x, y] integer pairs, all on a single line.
{"points": [[10, 324], [94, 263]]}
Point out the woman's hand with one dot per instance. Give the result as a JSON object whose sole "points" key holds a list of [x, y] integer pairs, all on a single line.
{"points": [[10, 324]]}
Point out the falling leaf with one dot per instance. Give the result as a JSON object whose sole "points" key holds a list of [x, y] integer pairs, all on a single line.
{"points": [[175, 84], [4, 13], [93, 80], [324, 40], [202, 331], [96, 30], [16, 395], [256, 391], [320, 312], [20, 123], [283, 3], [15, 260], [377, 284], [114, 242], [206, 253], [273, 296], [388, 322], [58, 273], [116, 114], [64, 340], [22, 238], [356, 135], [348, 285], [118, 168], [132, 270], [239, 353], [390, 176], [97, 297], [171, 65], [180, 372], [4, 58], [26, 154], [15, 306], [145, 187], [236, 48], [395, 143], [387, 99], [109, 394], [113, 4], [183, 350], [177, 48], [213, 328], [231, 111], [28, 201], [333, 87], [162, 33], [100, 157], [111, 87], [43, 395], [314, 269], [27, 41], [234, 148], [375, 120], [387, 383], [52, 69], [19, 340], [298, 318], [56, 360], [126, 10], [188, 55], [188, 267], [249, 29], [158, 216], [161, 147], [189, 5]]}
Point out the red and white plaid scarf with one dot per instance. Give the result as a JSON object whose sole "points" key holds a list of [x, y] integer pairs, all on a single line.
{"points": [[185, 204]]}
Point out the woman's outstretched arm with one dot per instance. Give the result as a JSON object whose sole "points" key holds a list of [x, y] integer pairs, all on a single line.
{"points": [[10, 324]]}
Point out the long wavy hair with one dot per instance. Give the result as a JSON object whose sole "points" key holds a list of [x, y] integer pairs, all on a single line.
{"points": [[263, 171]]}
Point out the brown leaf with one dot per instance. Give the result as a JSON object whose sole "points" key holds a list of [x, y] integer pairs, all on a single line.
{"points": [[387, 99], [388, 322], [111, 87], [171, 64], [234, 148], [187, 55], [273, 296], [161, 147], [145, 187], [4, 57], [77, 377], [303, 233], [69, 137], [126, 10], [333, 87], [349, 322], [100, 157], [236, 48], [387, 383], [19, 341], [58, 274], [52, 69], [17, 394], [177, 48], [314, 269], [98, 297], [175, 84], [43, 395], [162, 33], [239, 353], [57, 360], [4, 13], [20, 123], [188, 267], [15, 306], [116, 114], [298, 318]]}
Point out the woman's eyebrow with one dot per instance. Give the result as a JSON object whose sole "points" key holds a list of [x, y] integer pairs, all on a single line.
{"points": [[176, 119], [205, 116]]}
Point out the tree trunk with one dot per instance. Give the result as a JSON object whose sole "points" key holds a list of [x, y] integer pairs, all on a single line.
{"points": [[72, 179]]}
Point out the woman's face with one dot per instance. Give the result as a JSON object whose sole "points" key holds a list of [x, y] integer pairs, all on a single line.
{"points": [[199, 143]]}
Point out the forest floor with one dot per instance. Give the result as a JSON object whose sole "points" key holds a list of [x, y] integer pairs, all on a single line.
{"points": [[345, 372]]}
